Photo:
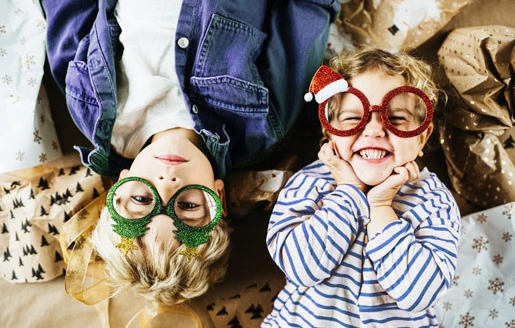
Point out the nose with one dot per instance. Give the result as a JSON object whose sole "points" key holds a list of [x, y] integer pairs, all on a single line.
{"points": [[167, 178], [167, 185], [374, 126]]}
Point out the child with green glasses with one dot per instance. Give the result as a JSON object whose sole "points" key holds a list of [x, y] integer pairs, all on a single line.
{"points": [[172, 95]]}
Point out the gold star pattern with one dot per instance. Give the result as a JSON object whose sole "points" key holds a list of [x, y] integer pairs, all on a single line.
{"points": [[467, 320], [493, 313], [480, 244], [37, 136], [190, 252], [42, 157], [508, 211], [20, 155], [126, 245], [481, 218], [496, 285], [498, 259], [484, 247]]}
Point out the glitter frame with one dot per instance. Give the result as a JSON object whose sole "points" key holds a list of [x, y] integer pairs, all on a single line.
{"points": [[382, 109], [188, 235]]}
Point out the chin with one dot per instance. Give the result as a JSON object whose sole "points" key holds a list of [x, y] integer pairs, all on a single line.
{"points": [[373, 180]]}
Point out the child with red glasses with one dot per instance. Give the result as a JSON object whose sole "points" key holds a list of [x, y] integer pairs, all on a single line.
{"points": [[364, 237]]}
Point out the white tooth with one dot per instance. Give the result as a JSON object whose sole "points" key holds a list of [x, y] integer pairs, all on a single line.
{"points": [[372, 153]]}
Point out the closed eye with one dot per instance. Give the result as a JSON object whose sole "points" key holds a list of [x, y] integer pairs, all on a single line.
{"points": [[346, 115], [398, 119]]}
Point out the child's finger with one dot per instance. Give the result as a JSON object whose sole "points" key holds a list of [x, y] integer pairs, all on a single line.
{"points": [[413, 170], [322, 155], [401, 175], [340, 169], [327, 155]]}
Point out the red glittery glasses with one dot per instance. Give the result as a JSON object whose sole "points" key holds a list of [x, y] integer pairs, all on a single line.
{"points": [[405, 111]]}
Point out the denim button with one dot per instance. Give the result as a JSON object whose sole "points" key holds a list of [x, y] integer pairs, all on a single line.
{"points": [[183, 42], [194, 109]]}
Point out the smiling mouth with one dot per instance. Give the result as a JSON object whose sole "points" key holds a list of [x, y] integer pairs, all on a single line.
{"points": [[373, 153]]}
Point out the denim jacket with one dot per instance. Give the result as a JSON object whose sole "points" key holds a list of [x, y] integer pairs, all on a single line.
{"points": [[243, 68]]}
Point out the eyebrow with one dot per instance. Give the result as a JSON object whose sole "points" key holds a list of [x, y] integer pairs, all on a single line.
{"points": [[404, 109]]}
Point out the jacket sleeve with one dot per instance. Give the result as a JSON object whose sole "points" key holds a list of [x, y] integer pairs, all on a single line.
{"points": [[303, 25], [312, 227], [68, 21], [415, 263]]}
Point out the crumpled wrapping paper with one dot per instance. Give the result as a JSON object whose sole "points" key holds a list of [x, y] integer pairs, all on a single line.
{"points": [[35, 203], [28, 135], [483, 290], [249, 190], [478, 135], [247, 308], [396, 25]]}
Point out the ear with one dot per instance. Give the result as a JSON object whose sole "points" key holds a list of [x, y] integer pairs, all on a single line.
{"points": [[424, 137], [220, 190], [123, 174]]}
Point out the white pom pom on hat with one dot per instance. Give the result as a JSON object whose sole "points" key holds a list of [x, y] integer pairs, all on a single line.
{"points": [[325, 84], [308, 96]]}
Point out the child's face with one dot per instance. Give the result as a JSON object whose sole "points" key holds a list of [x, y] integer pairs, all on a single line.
{"points": [[169, 163], [374, 152]]}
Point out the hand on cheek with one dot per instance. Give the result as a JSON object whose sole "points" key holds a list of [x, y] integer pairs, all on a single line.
{"points": [[380, 197], [340, 169]]}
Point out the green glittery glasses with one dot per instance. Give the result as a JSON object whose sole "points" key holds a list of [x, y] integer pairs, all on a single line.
{"points": [[134, 201]]}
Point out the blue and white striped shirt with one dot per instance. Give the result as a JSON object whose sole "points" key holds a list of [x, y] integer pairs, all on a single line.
{"points": [[336, 276]]}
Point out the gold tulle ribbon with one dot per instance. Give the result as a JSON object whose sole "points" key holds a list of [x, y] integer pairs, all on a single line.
{"points": [[85, 278], [160, 315]]}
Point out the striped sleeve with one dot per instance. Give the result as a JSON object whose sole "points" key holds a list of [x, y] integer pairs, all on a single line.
{"points": [[415, 257], [312, 225]]}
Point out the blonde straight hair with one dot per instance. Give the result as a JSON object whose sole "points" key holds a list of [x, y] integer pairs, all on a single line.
{"points": [[157, 271]]}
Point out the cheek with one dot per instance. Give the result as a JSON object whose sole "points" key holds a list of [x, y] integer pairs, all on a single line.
{"points": [[409, 149], [142, 165], [343, 146]]}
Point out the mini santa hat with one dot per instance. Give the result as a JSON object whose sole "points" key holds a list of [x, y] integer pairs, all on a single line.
{"points": [[325, 84]]}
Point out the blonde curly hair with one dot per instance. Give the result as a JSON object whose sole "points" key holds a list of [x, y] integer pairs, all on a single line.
{"points": [[157, 271], [415, 71]]}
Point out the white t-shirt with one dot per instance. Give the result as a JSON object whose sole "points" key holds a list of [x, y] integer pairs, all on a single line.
{"points": [[149, 96]]}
